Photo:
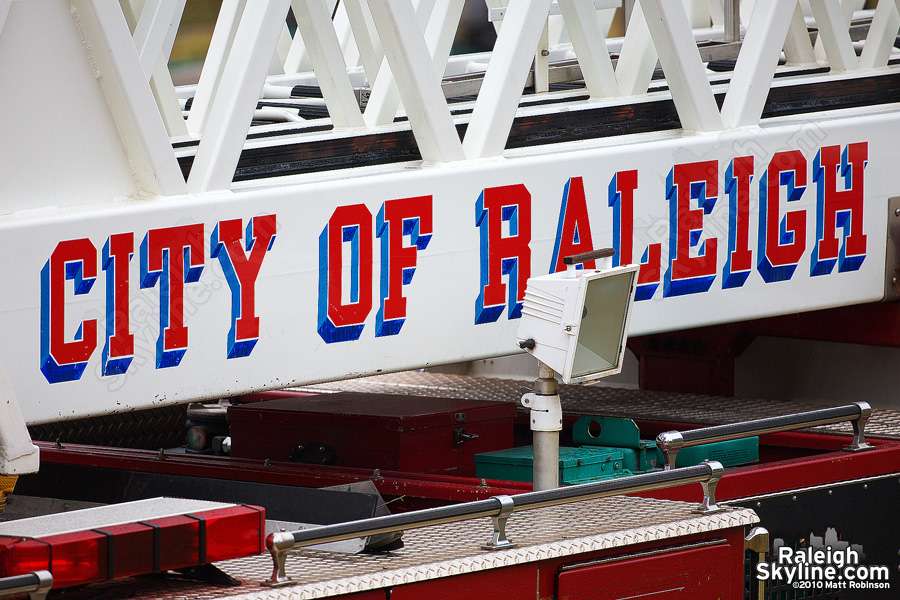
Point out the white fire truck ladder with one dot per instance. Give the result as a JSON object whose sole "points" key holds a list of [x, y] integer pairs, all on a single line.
{"points": [[112, 157]]}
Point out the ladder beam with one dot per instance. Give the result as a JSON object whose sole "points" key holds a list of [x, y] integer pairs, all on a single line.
{"points": [[345, 34], [440, 31], [589, 43], [638, 57], [160, 78], [5, 5], [420, 87], [211, 75], [542, 61], [371, 53], [834, 35], [153, 30], [315, 27], [882, 35], [167, 99], [756, 63], [504, 80], [297, 60], [798, 49], [234, 103], [384, 101], [128, 95], [682, 65], [276, 67], [717, 12]]}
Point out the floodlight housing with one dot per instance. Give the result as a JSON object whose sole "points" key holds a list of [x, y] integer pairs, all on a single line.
{"points": [[576, 322]]}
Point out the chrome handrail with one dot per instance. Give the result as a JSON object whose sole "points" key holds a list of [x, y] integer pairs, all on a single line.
{"points": [[498, 508], [670, 442], [35, 584]]}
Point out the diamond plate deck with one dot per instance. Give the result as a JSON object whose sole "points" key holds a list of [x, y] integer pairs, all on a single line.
{"points": [[453, 549], [609, 401], [147, 429]]}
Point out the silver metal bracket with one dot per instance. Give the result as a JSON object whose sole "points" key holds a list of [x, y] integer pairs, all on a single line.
{"points": [[279, 546], [498, 539], [670, 442], [757, 541], [859, 425], [36, 584], [708, 504], [45, 582]]}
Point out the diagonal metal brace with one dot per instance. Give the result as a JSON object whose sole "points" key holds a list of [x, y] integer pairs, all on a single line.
{"points": [[498, 539], [708, 504]]}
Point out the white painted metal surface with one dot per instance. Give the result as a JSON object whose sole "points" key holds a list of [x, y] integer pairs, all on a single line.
{"points": [[124, 290]]}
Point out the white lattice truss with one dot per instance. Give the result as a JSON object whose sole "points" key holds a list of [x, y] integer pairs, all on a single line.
{"points": [[402, 47]]}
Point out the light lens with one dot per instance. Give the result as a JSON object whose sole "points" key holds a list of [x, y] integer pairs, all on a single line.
{"points": [[601, 333], [138, 548]]}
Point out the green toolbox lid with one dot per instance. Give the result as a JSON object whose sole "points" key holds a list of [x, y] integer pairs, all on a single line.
{"points": [[568, 457]]}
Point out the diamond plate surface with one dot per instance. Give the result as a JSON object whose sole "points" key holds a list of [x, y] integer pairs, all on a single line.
{"points": [[608, 401], [146, 429], [455, 548], [446, 550]]}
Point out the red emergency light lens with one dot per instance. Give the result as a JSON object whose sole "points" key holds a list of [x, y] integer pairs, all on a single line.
{"points": [[77, 558], [19, 556], [234, 532], [150, 546]]}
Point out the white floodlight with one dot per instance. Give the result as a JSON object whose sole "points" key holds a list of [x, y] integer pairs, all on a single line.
{"points": [[576, 324]]}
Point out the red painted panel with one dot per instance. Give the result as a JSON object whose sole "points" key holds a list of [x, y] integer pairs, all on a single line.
{"points": [[694, 574], [825, 469], [520, 581]]}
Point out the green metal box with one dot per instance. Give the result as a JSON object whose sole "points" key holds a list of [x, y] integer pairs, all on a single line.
{"points": [[730, 453], [576, 465]]}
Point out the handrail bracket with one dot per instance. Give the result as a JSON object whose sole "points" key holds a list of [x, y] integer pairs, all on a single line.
{"points": [[708, 505], [498, 539], [859, 442]]}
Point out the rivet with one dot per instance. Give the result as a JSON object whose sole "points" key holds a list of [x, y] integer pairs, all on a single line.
{"points": [[267, 462], [830, 492], [865, 486], [758, 504], [794, 498], [547, 53], [897, 212]]}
